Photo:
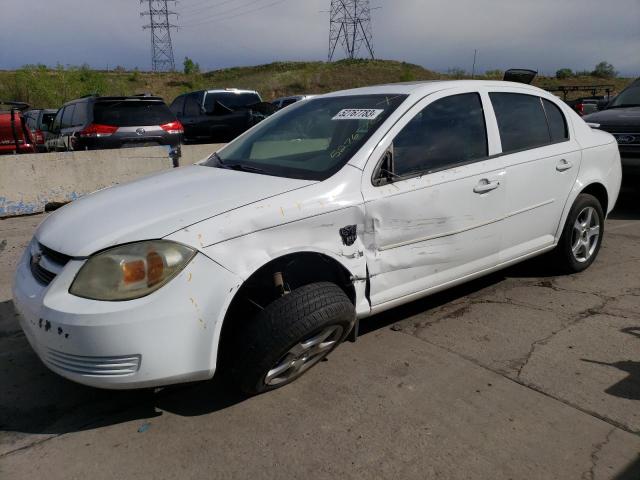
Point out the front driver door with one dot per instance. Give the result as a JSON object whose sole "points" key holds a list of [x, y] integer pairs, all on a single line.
{"points": [[435, 215]]}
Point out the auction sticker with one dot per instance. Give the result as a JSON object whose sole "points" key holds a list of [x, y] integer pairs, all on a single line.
{"points": [[358, 114]]}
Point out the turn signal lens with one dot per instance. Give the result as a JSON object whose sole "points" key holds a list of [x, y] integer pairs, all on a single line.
{"points": [[130, 271]]}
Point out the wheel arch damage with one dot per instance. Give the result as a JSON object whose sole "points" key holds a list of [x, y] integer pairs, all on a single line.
{"points": [[279, 276]]}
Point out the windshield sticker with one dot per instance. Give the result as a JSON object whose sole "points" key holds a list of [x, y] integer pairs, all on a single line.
{"points": [[358, 114]]}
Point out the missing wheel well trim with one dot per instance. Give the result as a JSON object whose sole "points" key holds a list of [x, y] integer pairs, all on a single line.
{"points": [[297, 270]]}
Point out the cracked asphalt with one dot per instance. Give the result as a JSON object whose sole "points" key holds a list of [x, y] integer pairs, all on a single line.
{"points": [[519, 375]]}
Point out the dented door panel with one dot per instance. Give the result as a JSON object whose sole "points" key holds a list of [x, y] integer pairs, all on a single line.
{"points": [[429, 232]]}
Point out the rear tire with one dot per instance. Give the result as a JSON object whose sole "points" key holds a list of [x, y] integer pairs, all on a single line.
{"points": [[288, 337], [582, 234]]}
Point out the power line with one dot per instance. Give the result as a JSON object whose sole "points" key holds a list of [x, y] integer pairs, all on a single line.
{"points": [[229, 10], [350, 26], [228, 17], [161, 47]]}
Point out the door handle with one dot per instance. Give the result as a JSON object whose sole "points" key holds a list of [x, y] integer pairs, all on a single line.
{"points": [[563, 165], [486, 185]]}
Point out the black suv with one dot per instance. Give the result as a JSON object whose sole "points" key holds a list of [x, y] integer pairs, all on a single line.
{"points": [[219, 115], [621, 118], [95, 122]]}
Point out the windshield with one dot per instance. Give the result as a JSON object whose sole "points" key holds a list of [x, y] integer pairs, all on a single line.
{"points": [[310, 140], [132, 113], [629, 97]]}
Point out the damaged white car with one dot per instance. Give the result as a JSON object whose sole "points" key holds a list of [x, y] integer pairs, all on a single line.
{"points": [[261, 259]]}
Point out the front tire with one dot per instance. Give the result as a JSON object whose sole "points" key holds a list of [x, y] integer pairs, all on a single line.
{"points": [[290, 336], [582, 234]]}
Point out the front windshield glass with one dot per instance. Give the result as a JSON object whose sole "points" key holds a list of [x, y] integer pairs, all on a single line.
{"points": [[628, 98], [311, 140]]}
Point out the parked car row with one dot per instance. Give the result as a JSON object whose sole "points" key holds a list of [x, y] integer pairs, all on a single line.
{"points": [[94, 122]]}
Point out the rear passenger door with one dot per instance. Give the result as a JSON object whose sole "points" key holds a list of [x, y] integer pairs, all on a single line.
{"points": [[542, 160]]}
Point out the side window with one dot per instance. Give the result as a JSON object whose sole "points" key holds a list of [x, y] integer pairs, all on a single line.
{"points": [[79, 115], [177, 106], [67, 116], [448, 132], [191, 106], [31, 123], [57, 121], [557, 122], [521, 121]]}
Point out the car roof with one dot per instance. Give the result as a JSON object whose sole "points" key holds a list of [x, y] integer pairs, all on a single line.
{"points": [[429, 86], [98, 98], [229, 90]]}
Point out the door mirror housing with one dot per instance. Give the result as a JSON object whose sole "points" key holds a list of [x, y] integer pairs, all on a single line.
{"points": [[384, 175]]}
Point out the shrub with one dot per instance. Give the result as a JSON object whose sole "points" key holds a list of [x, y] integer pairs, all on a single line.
{"points": [[564, 73], [604, 70]]}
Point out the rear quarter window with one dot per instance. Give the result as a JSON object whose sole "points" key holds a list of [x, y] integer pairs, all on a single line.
{"points": [[127, 113], [521, 121], [557, 122]]}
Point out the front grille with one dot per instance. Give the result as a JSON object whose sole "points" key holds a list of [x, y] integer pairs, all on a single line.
{"points": [[43, 276], [45, 263], [94, 366]]}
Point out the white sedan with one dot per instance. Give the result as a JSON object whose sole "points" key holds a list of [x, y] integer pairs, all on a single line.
{"points": [[261, 259]]}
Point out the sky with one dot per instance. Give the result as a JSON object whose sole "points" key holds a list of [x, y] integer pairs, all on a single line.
{"points": [[541, 34]]}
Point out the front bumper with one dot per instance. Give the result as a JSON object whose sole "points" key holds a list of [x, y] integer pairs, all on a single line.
{"points": [[169, 336]]}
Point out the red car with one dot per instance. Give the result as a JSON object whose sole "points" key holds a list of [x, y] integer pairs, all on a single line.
{"points": [[15, 136]]}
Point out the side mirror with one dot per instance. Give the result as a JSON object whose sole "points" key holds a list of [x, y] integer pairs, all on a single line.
{"points": [[384, 173]]}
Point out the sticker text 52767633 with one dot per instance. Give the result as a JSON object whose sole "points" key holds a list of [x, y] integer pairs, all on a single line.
{"points": [[357, 114]]}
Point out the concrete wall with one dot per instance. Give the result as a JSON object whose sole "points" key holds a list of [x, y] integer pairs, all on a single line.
{"points": [[29, 182]]}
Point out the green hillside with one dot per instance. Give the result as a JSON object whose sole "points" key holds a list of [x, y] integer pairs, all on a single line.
{"points": [[44, 87]]}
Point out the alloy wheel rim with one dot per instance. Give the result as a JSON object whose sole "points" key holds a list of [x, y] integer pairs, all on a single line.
{"points": [[304, 355], [585, 234]]}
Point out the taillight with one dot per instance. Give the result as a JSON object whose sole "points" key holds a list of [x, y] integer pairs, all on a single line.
{"points": [[580, 108], [173, 127], [97, 130], [39, 137]]}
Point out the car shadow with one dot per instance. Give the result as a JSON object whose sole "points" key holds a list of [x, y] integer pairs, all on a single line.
{"points": [[628, 387]]}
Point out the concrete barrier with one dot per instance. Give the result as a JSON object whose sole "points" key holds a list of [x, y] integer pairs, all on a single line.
{"points": [[30, 182]]}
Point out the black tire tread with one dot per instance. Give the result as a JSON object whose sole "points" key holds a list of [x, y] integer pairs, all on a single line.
{"points": [[562, 252], [287, 320]]}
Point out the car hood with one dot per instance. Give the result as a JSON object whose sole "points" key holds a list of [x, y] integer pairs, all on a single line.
{"points": [[629, 116], [154, 207]]}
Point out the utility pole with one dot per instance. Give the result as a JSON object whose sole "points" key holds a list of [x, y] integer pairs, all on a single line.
{"points": [[161, 47], [350, 26], [473, 69]]}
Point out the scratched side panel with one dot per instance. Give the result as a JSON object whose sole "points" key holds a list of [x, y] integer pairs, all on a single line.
{"points": [[308, 220]]}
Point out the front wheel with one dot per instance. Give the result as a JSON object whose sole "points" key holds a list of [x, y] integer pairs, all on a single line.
{"points": [[582, 234], [290, 336]]}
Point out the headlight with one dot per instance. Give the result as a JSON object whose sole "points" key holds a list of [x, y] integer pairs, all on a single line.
{"points": [[130, 271]]}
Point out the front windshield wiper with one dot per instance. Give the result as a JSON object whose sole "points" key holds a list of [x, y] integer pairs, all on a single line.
{"points": [[242, 167], [219, 163]]}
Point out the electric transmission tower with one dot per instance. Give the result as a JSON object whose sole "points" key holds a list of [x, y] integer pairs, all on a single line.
{"points": [[350, 26], [161, 48]]}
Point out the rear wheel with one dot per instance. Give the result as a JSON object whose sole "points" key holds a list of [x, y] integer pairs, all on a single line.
{"points": [[290, 336], [582, 234]]}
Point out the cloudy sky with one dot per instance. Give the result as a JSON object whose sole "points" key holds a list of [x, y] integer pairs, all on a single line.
{"points": [[540, 34]]}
